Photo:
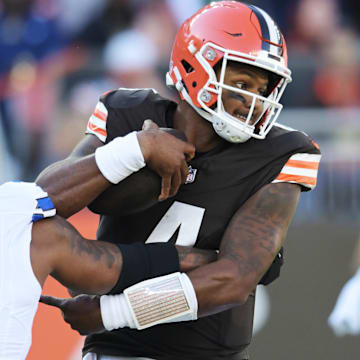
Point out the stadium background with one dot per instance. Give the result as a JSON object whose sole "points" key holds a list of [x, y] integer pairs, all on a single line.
{"points": [[56, 61]]}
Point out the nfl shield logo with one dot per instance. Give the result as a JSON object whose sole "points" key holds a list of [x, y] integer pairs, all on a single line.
{"points": [[191, 176]]}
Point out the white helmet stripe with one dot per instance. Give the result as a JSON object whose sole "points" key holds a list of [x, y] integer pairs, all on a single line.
{"points": [[269, 30], [275, 35]]}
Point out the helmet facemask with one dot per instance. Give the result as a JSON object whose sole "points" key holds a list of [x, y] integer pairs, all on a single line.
{"points": [[229, 127]]}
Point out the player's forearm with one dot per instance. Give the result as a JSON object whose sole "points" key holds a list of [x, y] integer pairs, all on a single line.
{"points": [[85, 266], [218, 287], [99, 265], [73, 183], [249, 245]]}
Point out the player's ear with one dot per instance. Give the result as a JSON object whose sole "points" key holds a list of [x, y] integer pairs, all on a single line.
{"points": [[149, 125]]}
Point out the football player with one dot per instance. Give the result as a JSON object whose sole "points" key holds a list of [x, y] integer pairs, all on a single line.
{"points": [[34, 243], [229, 67]]}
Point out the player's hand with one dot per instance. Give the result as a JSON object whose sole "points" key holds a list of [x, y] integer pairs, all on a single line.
{"points": [[167, 156], [82, 312], [345, 317]]}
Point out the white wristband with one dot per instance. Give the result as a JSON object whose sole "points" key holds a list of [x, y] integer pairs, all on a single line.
{"points": [[120, 158], [115, 312]]}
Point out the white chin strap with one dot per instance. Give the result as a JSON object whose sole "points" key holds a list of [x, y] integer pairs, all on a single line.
{"points": [[234, 138], [230, 130]]}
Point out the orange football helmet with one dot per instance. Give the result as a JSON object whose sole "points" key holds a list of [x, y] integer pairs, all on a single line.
{"points": [[228, 31]]}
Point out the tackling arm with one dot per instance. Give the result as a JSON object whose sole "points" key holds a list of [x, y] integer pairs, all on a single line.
{"points": [[86, 266], [83, 265], [76, 181]]}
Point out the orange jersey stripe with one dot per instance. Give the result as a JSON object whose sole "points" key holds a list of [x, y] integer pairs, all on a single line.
{"points": [[99, 114], [316, 145], [303, 164], [96, 129], [297, 178]]}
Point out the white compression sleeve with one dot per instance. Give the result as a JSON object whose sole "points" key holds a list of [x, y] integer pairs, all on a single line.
{"points": [[120, 158], [169, 298]]}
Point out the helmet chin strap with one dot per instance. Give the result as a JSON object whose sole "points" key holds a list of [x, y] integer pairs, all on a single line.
{"points": [[237, 139], [229, 131], [225, 130]]}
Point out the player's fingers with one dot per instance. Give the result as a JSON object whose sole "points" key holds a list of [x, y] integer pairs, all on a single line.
{"points": [[52, 301], [175, 182], [165, 187], [184, 172], [189, 151], [148, 124]]}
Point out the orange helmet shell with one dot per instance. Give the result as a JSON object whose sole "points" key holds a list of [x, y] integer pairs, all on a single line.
{"points": [[244, 31]]}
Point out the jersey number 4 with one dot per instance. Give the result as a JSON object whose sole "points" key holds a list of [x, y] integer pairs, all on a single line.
{"points": [[182, 217]]}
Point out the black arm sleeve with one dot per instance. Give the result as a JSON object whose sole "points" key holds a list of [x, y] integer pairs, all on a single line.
{"points": [[145, 261], [274, 270]]}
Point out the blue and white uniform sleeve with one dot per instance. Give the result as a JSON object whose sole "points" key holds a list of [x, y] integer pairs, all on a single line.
{"points": [[28, 200], [44, 208]]}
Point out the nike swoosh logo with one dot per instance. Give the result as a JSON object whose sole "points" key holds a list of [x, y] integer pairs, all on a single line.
{"points": [[234, 34]]}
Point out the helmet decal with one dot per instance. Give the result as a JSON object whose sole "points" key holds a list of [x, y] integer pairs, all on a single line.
{"points": [[270, 32]]}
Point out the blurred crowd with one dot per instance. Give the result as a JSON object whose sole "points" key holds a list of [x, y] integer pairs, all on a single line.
{"points": [[58, 56]]}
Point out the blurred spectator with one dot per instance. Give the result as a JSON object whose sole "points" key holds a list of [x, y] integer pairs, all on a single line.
{"points": [[159, 24], [313, 22], [317, 38], [183, 9], [74, 16], [26, 40], [337, 82], [351, 10], [115, 16], [7, 164], [131, 58]]}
